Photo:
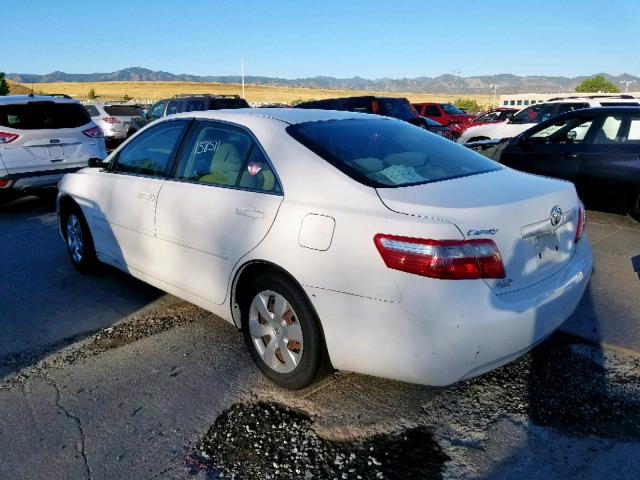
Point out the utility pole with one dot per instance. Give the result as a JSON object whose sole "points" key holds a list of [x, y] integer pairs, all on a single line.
{"points": [[242, 74], [495, 93], [627, 83]]}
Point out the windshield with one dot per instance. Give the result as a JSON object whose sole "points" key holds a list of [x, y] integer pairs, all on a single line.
{"points": [[451, 109], [388, 153], [397, 108], [538, 113]]}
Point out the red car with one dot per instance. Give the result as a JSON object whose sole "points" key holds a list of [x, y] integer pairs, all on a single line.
{"points": [[446, 114]]}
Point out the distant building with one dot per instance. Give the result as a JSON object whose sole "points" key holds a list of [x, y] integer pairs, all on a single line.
{"points": [[522, 100]]}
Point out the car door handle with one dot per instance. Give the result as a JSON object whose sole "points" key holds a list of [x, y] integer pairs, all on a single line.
{"points": [[568, 155], [146, 196], [249, 212]]}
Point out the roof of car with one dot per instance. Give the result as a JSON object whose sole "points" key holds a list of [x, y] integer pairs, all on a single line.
{"points": [[24, 99], [287, 115], [601, 110]]}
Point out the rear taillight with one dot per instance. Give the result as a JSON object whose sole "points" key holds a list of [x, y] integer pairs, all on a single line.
{"points": [[95, 132], [6, 137], [445, 259], [4, 182], [582, 218], [111, 120]]}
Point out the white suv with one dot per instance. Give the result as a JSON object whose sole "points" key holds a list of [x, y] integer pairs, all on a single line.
{"points": [[540, 112], [114, 118], [41, 139]]}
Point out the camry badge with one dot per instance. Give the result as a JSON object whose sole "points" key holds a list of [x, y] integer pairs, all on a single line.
{"points": [[555, 216]]}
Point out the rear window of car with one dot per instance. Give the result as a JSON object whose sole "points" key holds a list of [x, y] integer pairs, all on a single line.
{"points": [[397, 108], [220, 103], [123, 110], [451, 109], [535, 114], [388, 153], [92, 110], [43, 115]]}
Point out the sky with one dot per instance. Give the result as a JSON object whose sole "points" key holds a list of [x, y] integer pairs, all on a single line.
{"points": [[339, 38]]}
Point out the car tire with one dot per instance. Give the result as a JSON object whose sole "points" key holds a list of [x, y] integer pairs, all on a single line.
{"points": [[79, 240], [282, 332], [477, 139]]}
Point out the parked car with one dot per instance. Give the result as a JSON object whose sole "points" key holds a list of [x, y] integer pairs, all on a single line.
{"points": [[399, 108], [598, 149], [189, 103], [541, 112], [41, 139], [439, 129], [337, 238], [114, 118], [445, 114]]}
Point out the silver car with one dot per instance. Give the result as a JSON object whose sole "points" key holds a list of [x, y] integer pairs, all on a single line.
{"points": [[114, 118]]}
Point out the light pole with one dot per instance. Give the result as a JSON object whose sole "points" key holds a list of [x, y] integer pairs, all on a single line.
{"points": [[242, 74], [626, 84], [495, 92]]}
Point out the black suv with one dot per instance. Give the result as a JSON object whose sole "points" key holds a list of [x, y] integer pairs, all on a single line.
{"points": [[387, 106], [189, 103]]}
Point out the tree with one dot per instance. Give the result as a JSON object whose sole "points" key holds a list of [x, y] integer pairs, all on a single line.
{"points": [[92, 94], [126, 98], [597, 84], [4, 86], [469, 105]]}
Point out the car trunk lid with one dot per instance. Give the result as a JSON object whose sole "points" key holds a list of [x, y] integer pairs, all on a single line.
{"points": [[511, 208]]}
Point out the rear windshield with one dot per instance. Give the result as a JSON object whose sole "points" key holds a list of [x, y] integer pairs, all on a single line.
{"points": [[220, 103], [451, 109], [397, 108], [388, 153], [123, 110], [92, 110], [43, 115]]}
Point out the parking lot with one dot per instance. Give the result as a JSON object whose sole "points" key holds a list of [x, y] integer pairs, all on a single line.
{"points": [[103, 376]]}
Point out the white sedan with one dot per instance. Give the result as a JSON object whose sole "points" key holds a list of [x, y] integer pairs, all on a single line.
{"points": [[336, 239]]}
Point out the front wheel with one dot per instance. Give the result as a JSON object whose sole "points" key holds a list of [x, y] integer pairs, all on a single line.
{"points": [[79, 241], [282, 332]]}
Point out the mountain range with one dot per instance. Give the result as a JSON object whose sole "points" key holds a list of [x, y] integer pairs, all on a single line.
{"points": [[481, 84]]}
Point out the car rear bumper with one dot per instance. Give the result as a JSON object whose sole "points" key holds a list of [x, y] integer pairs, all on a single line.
{"points": [[453, 331], [27, 181]]}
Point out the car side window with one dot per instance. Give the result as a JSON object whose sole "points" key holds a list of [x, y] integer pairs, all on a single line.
{"points": [[172, 107], [157, 110], [432, 111], [215, 154], [569, 130], [257, 173], [610, 131], [634, 130], [150, 152], [570, 107]]}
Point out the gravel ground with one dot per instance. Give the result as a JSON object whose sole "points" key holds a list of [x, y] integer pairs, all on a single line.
{"points": [[572, 387], [150, 321]]}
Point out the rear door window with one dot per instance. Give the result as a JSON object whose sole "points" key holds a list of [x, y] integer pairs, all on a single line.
{"points": [[388, 153], [43, 115], [150, 152], [432, 111]]}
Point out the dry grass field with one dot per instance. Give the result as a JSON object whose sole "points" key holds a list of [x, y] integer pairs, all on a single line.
{"points": [[149, 91]]}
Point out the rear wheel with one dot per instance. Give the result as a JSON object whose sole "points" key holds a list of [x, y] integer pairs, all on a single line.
{"points": [[79, 240], [282, 332]]}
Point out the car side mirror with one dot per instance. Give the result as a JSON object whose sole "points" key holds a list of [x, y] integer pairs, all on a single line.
{"points": [[572, 135], [95, 162]]}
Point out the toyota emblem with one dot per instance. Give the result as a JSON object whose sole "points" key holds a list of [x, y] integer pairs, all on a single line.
{"points": [[555, 216]]}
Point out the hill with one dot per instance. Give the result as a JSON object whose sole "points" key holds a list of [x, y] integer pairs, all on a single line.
{"points": [[474, 85]]}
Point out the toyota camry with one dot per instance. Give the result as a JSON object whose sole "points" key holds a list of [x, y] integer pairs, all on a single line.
{"points": [[336, 240]]}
